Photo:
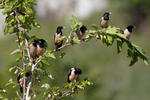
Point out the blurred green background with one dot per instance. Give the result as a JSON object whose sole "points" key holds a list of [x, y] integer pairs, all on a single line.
{"points": [[113, 78]]}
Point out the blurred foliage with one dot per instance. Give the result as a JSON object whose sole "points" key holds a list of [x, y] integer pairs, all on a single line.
{"points": [[137, 9]]}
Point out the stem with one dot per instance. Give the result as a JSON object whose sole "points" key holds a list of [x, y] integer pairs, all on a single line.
{"points": [[63, 46], [19, 96], [30, 83], [27, 48]]}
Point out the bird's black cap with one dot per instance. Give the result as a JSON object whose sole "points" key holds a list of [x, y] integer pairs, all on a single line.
{"points": [[106, 15], [130, 28], [35, 42], [78, 71], [83, 29], [59, 30], [41, 43]]}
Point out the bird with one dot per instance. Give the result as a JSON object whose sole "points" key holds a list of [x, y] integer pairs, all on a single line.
{"points": [[57, 37], [128, 31], [21, 79], [80, 32], [40, 47], [33, 49], [104, 20], [74, 74]]}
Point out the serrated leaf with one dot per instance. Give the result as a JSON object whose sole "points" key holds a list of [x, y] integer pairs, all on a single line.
{"points": [[62, 38]]}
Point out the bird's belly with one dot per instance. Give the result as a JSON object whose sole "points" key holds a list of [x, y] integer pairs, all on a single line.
{"points": [[104, 23], [40, 51], [72, 78], [127, 34], [33, 51]]}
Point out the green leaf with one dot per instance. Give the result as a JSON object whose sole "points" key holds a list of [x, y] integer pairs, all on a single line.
{"points": [[110, 40], [119, 45], [1, 6], [94, 26], [21, 18], [75, 40], [35, 24], [12, 68], [6, 30], [134, 59], [46, 86], [23, 73], [13, 30], [45, 61], [146, 62], [17, 51], [10, 19]]}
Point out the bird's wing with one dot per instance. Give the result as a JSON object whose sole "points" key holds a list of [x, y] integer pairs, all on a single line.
{"points": [[68, 76]]}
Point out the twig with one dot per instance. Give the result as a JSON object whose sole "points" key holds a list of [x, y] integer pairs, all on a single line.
{"points": [[19, 96], [63, 46], [27, 48], [29, 85], [65, 94], [19, 68]]}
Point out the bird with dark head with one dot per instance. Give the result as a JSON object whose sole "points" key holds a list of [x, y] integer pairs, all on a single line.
{"points": [[104, 20], [33, 49], [57, 37], [74, 74], [80, 32], [41, 47], [21, 79], [128, 31]]}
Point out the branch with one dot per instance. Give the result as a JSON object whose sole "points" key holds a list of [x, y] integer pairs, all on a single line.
{"points": [[63, 46], [19, 96], [29, 85], [27, 48]]}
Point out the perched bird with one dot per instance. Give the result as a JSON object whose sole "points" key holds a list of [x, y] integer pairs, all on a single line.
{"points": [[21, 79], [57, 37], [74, 74], [40, 47], [80, 32], [33, 49], [128, 31], [104, 20]]}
